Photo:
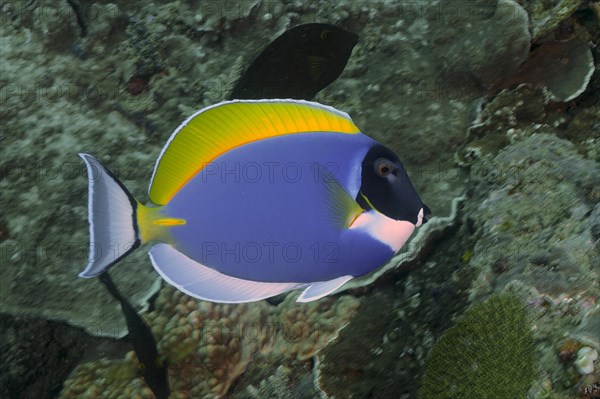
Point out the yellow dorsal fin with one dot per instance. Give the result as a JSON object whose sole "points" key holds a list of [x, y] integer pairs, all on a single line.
{"points": [[217, 129]]}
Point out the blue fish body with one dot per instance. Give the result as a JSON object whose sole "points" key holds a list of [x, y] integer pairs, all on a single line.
{"points": [[258, 211]]}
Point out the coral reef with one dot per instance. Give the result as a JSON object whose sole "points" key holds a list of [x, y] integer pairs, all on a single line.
{"points": [[487, 354], [282, 384], [133, 77], [588, 331], [114, 79], [537, 172], [207, 346], [276, 386], [509, 115], [306, 329], [547, 257], [37, 355], [449, 57], [521, 112], [44, 84], [531, 192], [565, 80], [546, 16], [382, 351], [491, 41]]}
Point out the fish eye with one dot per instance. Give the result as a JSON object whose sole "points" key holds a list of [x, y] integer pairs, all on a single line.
{"points": [[383, 167], [326, 34]]}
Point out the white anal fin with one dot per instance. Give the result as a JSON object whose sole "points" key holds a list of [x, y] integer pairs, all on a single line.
{"points": [[322, 288], [202, 282]]}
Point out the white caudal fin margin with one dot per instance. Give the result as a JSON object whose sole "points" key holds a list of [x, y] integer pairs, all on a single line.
{"points": [[322, 288], [202, 282], [111, 216]]}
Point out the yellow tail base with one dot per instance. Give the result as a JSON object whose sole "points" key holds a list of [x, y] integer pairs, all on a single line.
{"points": [[153, 225]]}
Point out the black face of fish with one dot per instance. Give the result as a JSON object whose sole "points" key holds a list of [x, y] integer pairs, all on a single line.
{"points": [[385, 186], [298, 64]]}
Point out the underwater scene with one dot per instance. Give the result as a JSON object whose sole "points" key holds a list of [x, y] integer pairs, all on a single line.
{"points": [[300, 200]]}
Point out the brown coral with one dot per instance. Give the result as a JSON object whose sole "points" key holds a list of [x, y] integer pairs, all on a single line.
{"points": [[306, 328], [208, 345]]}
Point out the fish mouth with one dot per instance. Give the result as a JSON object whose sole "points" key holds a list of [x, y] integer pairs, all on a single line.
{"points": [[423, 216]]}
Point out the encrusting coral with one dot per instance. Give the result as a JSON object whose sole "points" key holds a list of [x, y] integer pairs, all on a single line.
{"points": [[488, 353], [305, 329], [207, 345], [274, 387]]}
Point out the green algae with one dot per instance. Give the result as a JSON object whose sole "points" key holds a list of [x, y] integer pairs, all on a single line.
{"points": [[488, 353]]}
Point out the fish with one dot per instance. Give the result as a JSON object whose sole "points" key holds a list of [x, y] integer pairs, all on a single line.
{"points": [[153, 366], [297, 64], [250, 199]]}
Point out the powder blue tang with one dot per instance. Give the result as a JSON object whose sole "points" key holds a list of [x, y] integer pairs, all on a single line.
{"points": [[253, 198]]}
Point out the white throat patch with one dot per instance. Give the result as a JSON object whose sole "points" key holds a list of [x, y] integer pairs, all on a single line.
{"points": [[393, 233]]}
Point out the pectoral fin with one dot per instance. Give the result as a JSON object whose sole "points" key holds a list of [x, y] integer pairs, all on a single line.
{"points": [[340, 208]]}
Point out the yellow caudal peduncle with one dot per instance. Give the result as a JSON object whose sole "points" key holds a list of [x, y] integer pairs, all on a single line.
{"points": [[153, 225]]}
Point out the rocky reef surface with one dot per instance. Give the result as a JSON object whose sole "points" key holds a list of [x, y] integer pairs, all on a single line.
{"points": [[508, 160]]}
